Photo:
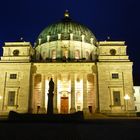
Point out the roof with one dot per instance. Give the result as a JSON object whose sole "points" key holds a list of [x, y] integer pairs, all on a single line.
{"points": [[65, 27]]}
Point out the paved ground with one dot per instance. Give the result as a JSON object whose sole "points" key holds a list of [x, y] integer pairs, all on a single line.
{"points": [[120, 129]]}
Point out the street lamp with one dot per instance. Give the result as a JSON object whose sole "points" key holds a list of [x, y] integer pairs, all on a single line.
{"points": [[127, 97]]}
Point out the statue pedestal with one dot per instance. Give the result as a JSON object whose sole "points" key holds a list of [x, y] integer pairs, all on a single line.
{"points": [[50, 108], [50, 103]]}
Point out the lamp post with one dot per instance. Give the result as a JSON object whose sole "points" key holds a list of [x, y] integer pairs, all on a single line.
{"points": [[126, 97]]}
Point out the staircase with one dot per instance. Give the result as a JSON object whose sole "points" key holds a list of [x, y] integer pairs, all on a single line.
{"points": [[95, 116]]}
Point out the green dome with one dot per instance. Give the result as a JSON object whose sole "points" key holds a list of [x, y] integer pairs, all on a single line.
{"points": [[65, 27]]}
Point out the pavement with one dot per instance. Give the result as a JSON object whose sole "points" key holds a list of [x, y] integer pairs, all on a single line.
{"points": [[105, 128], [99, 127]]}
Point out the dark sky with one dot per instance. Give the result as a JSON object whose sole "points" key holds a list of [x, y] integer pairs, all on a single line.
{"points": [[119, 19]]}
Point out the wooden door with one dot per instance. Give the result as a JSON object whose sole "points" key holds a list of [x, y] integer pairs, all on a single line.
{"points": [[64, 105]]}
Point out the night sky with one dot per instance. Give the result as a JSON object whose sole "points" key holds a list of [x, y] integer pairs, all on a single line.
{"points": [[119, 19]]}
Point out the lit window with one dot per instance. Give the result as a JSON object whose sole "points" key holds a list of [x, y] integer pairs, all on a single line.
{"points": [[11, 98], [115, 75], [13, 76], [77, 54], [65, 54], [116, 98], [53, 54]]}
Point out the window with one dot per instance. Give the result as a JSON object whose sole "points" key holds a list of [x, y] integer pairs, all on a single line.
{"points": [[13, 76], [115, 76], [53, 54], [65, 54], [116, 98], [16, 52], [11, 98], [112, 51], [77, 54]]}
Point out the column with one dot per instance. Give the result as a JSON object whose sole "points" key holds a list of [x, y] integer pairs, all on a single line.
{"points": [[85, 105], [72, 110], [42, 109], [58, 49], [96, 95], [55, 109], [31, 103]]}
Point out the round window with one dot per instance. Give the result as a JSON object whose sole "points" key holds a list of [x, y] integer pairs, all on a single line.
{"points": [[16, 52], [112, 51]]}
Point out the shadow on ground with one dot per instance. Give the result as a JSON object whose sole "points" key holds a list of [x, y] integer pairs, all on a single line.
{"points": [[76, 129], [78, 116]]}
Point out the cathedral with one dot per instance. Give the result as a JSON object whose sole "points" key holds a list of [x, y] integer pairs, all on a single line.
{"points": [[89, 75]]}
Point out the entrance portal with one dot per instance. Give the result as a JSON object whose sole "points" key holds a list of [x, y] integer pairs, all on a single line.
{"points": [[64, 105]]}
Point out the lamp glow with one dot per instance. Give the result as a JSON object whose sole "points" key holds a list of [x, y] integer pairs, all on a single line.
{"points": [[126, 97], [0, 97]]}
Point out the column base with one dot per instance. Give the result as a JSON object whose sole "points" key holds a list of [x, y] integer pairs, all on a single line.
{"points": [[55, 110], [72, 110]]}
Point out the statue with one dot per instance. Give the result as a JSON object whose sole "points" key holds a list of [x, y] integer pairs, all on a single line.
{"points": [[50, 97], [51, 86]]}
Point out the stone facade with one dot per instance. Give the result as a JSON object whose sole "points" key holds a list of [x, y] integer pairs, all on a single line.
{"points": [[89, 86], [89, 76], [137, 98]]}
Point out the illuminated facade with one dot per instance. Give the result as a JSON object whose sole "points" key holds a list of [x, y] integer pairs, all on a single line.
{"points": [[89, 75], [137, 98]]}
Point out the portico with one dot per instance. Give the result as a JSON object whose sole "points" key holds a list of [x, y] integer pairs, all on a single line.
{"points": [[73, 92]]}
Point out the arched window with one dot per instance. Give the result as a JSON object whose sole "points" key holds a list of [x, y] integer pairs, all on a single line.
{"points": [[65, 54], [53, 54], [77, 54]]}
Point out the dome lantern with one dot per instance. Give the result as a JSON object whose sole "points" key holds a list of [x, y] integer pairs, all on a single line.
{"points": [[66, 14]]}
